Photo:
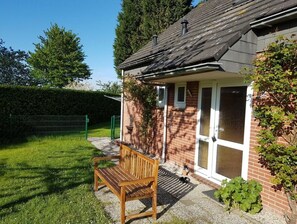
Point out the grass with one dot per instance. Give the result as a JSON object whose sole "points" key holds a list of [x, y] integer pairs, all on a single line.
{"points": [[102, 130], [49, 180]]}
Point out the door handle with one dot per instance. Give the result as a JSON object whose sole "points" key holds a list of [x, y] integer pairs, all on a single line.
{"points": [[213, 138]]}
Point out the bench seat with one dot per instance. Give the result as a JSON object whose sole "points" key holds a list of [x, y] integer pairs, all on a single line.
{"points": [[113, 176]]}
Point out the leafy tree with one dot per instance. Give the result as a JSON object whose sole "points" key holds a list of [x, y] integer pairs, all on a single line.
{"points": [[275, 106], [59, 59], [139, 20], [13, 67], [160, 14], [86, 86], [110, 87], [127, 31]]}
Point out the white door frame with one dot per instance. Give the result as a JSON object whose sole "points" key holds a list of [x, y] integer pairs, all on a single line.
{"points": [[215, 99]]}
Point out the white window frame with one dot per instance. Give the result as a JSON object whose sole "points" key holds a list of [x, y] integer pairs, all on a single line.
{"points": [[180, 104], [160, 103]]}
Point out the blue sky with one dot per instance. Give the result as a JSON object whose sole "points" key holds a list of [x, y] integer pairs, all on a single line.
{"points": [[94, 21]]}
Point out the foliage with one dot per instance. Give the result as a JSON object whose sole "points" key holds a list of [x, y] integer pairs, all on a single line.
{"points": [[275, 106], [41, 101], [129, 20], [144, 96], [58, 59], [80, 86], [242, 194], [110, 87], [13, 67], [47, 180], [160, 14], [139, 20]]}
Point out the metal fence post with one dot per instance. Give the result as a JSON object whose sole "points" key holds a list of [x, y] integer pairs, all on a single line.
{"points": [[86, 127], [10, 131], [112, 128]]}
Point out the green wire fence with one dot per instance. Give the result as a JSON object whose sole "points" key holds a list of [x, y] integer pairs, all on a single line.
{"points": [[25, 125], [115, 127]]}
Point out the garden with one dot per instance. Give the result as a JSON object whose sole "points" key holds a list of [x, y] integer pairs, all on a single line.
{"points": [[49, 180]]}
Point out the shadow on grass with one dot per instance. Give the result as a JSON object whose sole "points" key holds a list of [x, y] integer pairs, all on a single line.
{"points": [[46, 179]]}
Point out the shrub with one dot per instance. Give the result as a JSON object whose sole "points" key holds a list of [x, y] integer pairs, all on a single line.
{"points": [[275, 108], [242, 194], [18, 100]]}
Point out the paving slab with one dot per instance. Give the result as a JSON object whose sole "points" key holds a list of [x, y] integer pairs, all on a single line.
{"points": [[191, 202]]}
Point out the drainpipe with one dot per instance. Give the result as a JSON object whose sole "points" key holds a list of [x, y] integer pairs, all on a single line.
{"points": [[122, 108], [165, 125]]}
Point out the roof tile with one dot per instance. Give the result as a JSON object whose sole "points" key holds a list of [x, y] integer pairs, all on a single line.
{"points": [[213, 27]]}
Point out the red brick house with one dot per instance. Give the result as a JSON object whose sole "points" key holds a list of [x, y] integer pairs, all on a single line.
{"points": [[204, 115]]}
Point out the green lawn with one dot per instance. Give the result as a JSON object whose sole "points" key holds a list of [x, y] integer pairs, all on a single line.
{"points": [[102, 130], [49, 180]]}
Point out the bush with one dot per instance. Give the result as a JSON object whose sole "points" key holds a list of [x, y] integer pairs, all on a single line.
{"points": [[242, 194], [18, 100]]}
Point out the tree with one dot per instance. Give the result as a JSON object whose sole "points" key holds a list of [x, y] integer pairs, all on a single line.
{"points": [[128, 31], [14, 69], [275, 107], [160, 14], [139, 20], [86, 86], [59, 59], [110, 87]]}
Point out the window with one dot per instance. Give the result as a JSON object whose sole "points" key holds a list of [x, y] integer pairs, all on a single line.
{"points": [[160, 96], [180, 95]]}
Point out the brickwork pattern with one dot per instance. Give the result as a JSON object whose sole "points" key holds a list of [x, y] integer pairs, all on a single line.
{"points": [[276, 200], [181, 127]]}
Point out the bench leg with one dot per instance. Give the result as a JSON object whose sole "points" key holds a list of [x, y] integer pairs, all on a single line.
{"points": [[95, 182], [123, 205], [154, 205]]}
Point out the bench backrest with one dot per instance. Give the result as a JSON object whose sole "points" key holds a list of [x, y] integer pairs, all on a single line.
{"points": [[138, 164]]}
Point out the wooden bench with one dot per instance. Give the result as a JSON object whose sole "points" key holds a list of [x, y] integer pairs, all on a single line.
{"points": [[135, 177]]}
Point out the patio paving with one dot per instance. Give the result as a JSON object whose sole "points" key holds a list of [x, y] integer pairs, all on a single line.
{"points": [[191, 202]]}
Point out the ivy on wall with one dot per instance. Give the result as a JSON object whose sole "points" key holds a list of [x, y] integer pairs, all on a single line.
{"points": [[144, 97], [275, 107]]}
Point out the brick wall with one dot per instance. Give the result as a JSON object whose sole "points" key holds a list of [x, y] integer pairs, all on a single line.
{"points": [[134, 138], [181, 131], [181, 128], [275, 200], [158, 133], [131, 116]]}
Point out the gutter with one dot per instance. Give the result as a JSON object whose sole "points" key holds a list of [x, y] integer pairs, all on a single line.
{"points": [[203, 67], [122, 109], [116, 98], [165, 125], [267, 21]]}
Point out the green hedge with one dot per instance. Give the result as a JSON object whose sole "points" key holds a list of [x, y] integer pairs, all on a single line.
{"points": [[17, 100]]}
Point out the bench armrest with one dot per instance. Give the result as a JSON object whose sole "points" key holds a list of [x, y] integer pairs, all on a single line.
{"points": [[140, 181], [96, 159]]}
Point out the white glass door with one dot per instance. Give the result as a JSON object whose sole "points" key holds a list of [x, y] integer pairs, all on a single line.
{"points": [[221, 130]]}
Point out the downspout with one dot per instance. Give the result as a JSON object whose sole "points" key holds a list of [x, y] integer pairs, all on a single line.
{"points": [[122, 108], [165, 125]]}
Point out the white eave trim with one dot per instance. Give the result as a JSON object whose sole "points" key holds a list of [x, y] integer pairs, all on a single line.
{"points": [[266, 21], [211, 66]]}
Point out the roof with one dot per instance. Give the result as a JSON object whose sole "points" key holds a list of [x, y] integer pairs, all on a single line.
{"points": [[213, 27]]}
